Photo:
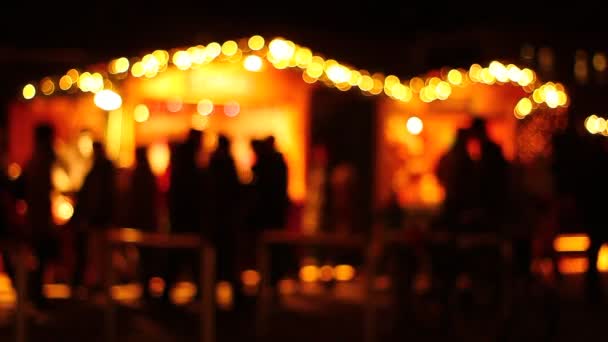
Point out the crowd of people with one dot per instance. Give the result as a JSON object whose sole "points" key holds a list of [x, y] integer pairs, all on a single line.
{"points": [[485, 193], [209, 200]]}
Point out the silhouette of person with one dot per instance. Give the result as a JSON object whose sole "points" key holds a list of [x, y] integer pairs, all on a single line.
{"points": [[454, 171], [593, 219], [225, 207], [7, 219], [93, 214], [143, 194], [569, 156], [494, 177], [277, 185], [38, 188], [187, 206], [143, 197], [185, 185], [271, 200], [492, 204]]}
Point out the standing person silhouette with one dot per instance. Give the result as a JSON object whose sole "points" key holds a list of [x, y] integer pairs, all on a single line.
{"points": [[224, 191], [271, 201], [143, 214], [187, 204], [38, 189], [93, 215]]}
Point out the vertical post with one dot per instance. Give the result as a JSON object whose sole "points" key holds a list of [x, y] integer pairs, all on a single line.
{"points": [[264, 300], [369, 324], [108, 279], [21, 293], [207, 281]]}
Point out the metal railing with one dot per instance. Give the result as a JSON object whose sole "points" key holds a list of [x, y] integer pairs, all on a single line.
{"points": [[10, 247], [300, 239], [133, 237]]}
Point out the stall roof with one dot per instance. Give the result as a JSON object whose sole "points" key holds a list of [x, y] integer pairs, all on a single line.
{"points": [[255, 52]]}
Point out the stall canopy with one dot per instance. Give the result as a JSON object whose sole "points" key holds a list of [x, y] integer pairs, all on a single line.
{"points": [[412, 134], [254, 87], [246, 89]]}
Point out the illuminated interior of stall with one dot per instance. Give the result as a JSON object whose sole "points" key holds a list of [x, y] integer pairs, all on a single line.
{"points": [[222, 99], [183, 83], [77, 123], [412, 136], [160, 95]]}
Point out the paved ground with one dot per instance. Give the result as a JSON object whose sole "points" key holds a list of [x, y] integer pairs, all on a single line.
{"points": [[320, 315]]}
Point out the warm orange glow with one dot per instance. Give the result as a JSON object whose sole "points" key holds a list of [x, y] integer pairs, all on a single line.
{"points": [[214, 49], [431, 191], [126, 293], [250, 278], [13, 171], [182, 60], [599, 61], [60, 179], [85, 144], [344, 272], [74, 75], [141, 113], [253, 63], [156, 286], [316, 67], [304, 57], [455, 77], [523, 107], [62, 209], [204, 107], [199, 122], [590, 124], [232, 108], [573, 265], [256, 42], [114, 134], [8, 294], [229, 48], [138, 70], [443, 90], [414, 125], [280, 49], [29, 91], [47, 86], [571, 243], [56, 291], [224, 295], [159, 157], [326, 273], [527, 77], [108, 100], [602, 259], [287, 286], [65, 82], [130, 235], [119, 65], [309, 273], [175, 105]]}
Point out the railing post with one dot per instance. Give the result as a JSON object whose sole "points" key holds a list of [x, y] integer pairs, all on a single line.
{"points": [[108, 279], [369, 325], [207, 281], [20, 333], [264, 300]]}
